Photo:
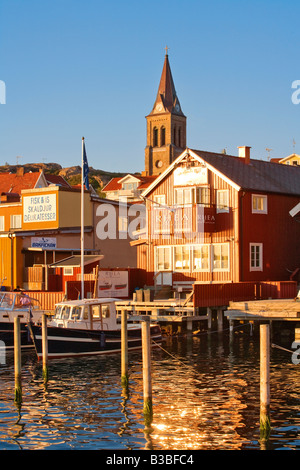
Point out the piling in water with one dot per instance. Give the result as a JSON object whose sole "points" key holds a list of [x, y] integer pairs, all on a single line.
{"points": [[45, 347], [147, 381], [265, 424], [17, 359], [124, 350]]}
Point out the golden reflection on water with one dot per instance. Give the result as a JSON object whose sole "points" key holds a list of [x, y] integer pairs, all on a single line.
{"points": [[205, 397]]}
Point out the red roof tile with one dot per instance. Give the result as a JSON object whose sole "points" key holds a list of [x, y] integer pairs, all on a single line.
{"points": [[13, 183], [56, 179], [114, 185]]}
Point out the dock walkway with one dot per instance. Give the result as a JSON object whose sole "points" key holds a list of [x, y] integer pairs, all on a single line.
{"points": [[260, 310]]}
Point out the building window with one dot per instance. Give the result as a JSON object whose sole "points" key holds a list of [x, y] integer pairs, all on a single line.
{"points": [[15, 221], [203, 195], [183, 196], [259, 204], [179, 137], [163, 258], [162, 136], [159, 199], [155, 137], [200, 257], [222, 200], [182, 258], [123, 223], [68, 271], [256, 256], [2, 223], [220, 257]]}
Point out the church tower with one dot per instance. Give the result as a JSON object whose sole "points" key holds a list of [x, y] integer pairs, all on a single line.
{"points": [[166, 126]]}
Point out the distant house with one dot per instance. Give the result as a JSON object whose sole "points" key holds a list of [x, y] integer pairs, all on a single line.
{"points": [[57, 180], [293, 159], [130, 187], [221, 218]]}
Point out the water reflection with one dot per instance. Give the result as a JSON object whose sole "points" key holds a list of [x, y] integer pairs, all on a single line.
{"points": [[205, 396]]}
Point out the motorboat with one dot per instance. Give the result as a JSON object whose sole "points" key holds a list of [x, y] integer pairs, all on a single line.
{"points": [[88, 327], [17, 304]]}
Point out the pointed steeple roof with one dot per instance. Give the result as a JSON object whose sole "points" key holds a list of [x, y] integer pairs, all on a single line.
{"points": [[167, 99]]}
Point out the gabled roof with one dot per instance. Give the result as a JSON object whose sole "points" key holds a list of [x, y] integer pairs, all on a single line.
{"points": [[115, 184], [14, 182], [258, 175], [57, 180]]}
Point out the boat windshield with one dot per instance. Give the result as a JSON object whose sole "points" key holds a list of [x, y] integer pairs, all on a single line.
{"points": [[62, 312], [57, 312], [75, 313]]}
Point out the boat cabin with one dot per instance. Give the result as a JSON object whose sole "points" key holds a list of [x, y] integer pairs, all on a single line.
{"points": [[90, 314], [19, 304]]}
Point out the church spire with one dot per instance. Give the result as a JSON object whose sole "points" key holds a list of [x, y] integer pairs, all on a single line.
{"points": [[166, 99], [166, 126]]}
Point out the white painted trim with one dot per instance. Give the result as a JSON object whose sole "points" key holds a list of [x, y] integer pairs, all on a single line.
{"points": [[196, 157]]}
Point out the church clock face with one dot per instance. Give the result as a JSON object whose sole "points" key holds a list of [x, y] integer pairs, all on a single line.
{"points": [[159, 163], [159, 107], [177, 107]]}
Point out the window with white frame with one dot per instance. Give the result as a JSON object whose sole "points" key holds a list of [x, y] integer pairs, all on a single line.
{"points": [[123, 223], [2, 227], [220, 257], [203, 195], [163, 258], [200, 258], [222, 200], [15, 221], [183, 196], [68, 271], [256, 256], [181, 258], [160, 199], [259, 204]]}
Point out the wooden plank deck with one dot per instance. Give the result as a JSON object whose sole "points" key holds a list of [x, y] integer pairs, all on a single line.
{"points": [[161, 310], [275, 309]]}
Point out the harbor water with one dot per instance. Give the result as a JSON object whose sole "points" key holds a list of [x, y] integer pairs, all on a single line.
{"points": [[205, 397]]}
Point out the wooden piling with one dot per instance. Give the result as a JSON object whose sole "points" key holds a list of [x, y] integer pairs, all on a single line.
{"points": [[147, 382], [17, 359], [45, 347], [124, 349], [265, 380]]}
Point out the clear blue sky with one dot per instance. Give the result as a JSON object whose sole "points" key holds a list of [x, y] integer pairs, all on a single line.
{"points": [[92, 68]]}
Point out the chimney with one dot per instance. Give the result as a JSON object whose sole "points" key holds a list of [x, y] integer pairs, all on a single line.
{"points": [[244, 152], [20, 171]]}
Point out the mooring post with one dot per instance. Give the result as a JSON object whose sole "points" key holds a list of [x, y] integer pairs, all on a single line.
{"points": [[45, 347], [124, 349], [17, 357], [265, 380], [147, 382]]}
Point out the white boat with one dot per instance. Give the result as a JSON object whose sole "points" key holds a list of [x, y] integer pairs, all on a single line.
{"points": [[88, 327], [17, 304]]}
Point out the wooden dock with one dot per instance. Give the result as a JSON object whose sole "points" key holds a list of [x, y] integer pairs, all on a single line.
{"points": [[168, 312], [265, 310]]}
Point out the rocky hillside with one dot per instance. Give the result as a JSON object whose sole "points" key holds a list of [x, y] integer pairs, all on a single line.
{"points": [[98, 178]]}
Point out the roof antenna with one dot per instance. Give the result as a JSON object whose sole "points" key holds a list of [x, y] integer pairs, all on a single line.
{"points": [[269, 150]]}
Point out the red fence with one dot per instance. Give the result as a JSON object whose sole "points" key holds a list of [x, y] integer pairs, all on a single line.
{"points": [[217, 295]]}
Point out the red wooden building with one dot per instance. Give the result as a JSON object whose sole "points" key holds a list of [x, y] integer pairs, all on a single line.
{"points": [[219, 218]]}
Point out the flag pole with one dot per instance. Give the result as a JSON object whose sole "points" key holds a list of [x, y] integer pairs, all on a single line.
{"points": [[82, 223]]}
